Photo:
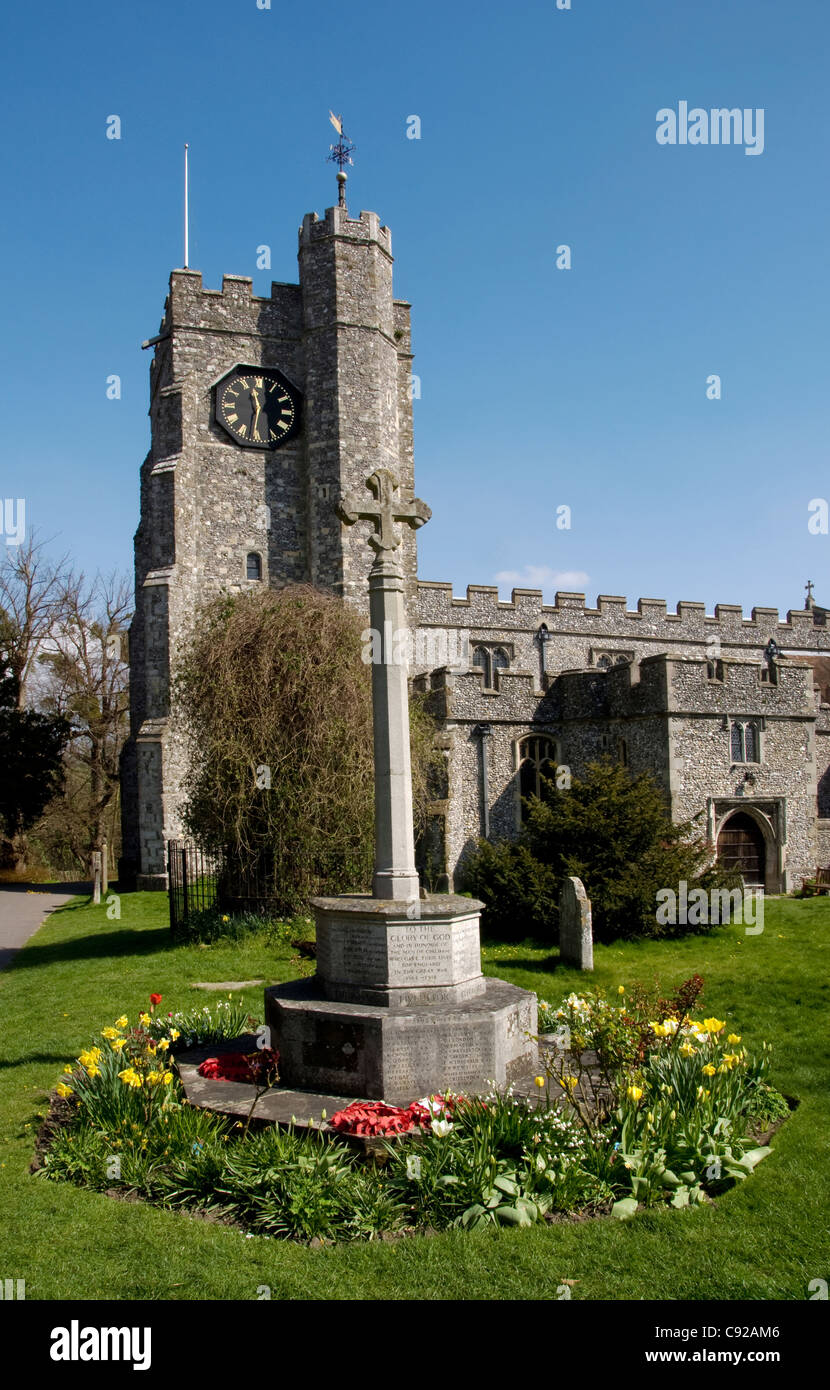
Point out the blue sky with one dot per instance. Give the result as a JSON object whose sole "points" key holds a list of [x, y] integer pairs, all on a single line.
{"points": [[540, 387]]}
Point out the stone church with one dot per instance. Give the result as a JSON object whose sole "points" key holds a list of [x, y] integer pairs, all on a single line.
{"points": [[264, 413]]}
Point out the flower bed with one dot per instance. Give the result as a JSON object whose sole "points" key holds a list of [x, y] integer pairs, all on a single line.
{"points": [[681, 1098]]}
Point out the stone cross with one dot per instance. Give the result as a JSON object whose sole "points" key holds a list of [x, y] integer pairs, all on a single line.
{"points": [[576, 938], [386, 512], [395, 877]]}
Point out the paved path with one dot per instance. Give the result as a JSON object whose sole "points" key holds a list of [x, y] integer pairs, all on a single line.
{"points": [[23, 907]]}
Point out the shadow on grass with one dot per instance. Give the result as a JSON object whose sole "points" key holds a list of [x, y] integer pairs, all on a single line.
{"points": [[543, 965], [9, 1063], [94, 946]]}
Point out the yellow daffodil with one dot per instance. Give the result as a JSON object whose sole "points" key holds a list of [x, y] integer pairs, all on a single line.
{"points": [[68, 1069], [567, 1082], [154, 1078], [734, 1038], [117, 1044], [621, 989], [702, 1093], [151, 1048], [686, 1050], [167, 1078], [122, 1021], [109, 1033], [174, 1033], [130, 1077], [63, 1091], [164, 1043], [634, 1093], [145, 1019], [226, 919], [713, 1025], [539, 1080], [90, 1057], [708, 1070], [92, 1070]]}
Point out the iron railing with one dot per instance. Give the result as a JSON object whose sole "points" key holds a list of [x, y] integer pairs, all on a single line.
{"points": [[199, 879]]}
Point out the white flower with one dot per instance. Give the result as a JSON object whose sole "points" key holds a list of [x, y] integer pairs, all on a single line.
{"points": [[441, 1128]]}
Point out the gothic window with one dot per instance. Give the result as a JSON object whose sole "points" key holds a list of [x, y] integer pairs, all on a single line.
{"points": [[604, 663], [500, 660], [490, 661], [537, 759], [769, 673], [621, 661], [624, 752], [744, 742], [714, 671], [253, 568], [481, 659]]}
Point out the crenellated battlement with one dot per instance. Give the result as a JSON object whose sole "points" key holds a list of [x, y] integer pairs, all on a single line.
{"points": [[233, 309], [569, 614], [337, 223]]}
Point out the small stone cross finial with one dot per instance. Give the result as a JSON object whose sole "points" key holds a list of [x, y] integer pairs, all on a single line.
{"points": [[386, 511], [809, 587]]}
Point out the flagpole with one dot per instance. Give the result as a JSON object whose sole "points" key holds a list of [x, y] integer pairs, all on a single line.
{"points": [[186, 216]]}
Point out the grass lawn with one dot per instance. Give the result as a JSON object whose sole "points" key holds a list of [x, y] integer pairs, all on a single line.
{"points": [[766, 1239]]}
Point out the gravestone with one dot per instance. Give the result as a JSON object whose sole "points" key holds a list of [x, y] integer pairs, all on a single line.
{"points": [[399, 1006], [576, 940]]}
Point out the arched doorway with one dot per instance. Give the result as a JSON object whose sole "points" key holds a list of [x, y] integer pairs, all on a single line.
{"points": [[741, 848]]}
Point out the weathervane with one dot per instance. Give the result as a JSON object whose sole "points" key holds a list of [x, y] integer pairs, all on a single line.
{"points": [[341, 154]]}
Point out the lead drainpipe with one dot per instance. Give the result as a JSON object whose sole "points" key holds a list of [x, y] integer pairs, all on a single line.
{"points": [[484, 732]]}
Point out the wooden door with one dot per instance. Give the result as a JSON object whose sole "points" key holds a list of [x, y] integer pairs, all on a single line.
{"points": [[741, 847]]}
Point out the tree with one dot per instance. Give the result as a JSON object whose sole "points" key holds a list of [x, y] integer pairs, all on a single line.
{"points": [[276, 702], [32, 591], [611, 829], [31, 756], [85, 676]]}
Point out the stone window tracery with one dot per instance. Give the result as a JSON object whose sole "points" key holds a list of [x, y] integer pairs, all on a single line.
{"points": [[537, 759], [491, 660], [744, 741]]}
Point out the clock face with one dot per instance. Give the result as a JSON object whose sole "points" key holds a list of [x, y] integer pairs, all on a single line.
{"points": [[257, 407]]}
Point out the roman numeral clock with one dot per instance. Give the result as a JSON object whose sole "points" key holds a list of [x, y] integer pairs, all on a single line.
{"points": [[258, 407]]}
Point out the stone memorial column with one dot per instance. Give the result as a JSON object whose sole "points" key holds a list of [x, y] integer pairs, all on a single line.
{"points": [[399, 1006]]}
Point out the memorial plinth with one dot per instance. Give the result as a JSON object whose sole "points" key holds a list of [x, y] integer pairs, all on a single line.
{"points": [[399, 1006], [397, 954]]}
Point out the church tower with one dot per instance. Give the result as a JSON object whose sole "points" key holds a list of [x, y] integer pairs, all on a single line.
{"points": [[264, 414]]}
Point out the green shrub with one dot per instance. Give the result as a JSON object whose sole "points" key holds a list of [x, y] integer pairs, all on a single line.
{"points": [[519, 893], [613, 831]]}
